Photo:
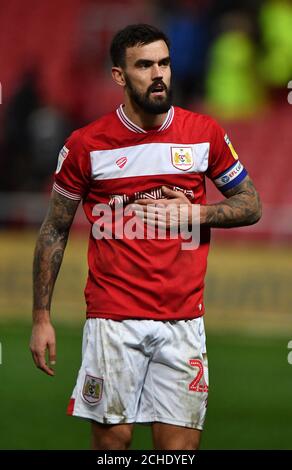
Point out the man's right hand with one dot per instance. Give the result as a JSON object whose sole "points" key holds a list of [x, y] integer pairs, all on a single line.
{"points": [[43, 339], [48, 257]]}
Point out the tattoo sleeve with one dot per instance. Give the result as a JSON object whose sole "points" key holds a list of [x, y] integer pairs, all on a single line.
{"points": [[49, 251], [242, 207]]}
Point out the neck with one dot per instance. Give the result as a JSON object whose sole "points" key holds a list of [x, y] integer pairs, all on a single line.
{"points": [[140, 117]]}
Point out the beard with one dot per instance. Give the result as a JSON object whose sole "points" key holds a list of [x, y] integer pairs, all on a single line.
{"points": [[150, 104]]}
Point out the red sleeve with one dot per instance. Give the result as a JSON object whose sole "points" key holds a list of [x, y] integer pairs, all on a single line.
{"points": [[224, 168], [72, 175]]}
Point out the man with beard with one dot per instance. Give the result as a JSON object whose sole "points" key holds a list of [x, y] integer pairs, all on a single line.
{"points": [[144, 352]]}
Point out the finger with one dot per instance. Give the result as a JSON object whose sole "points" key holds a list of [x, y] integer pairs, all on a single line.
{"points": [[42, 364], [52, 353], [165, 204], [154, 218], [146, 202], [146, 217], [159, 224], [164, 225], [171, 195], [130, 209], [152, 209], [170, 192], [35, 358]]}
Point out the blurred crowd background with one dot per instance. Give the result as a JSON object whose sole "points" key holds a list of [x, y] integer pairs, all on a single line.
{"points": [[230, 59]]}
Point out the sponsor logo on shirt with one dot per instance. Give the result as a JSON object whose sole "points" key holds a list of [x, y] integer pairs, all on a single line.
{"points": [[227, 140], [182, 157], [121, 162], [61, 158], [153, 193]]}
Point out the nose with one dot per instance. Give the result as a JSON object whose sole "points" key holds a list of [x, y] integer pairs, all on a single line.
{"points": [[156, 72]]}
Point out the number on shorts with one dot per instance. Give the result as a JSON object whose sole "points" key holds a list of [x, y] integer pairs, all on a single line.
{"points": [[195, 385]]}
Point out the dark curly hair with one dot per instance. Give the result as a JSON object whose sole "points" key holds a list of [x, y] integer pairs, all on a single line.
{"points": [[131, 36]]}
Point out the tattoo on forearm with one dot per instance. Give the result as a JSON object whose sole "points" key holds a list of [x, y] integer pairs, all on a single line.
{"points": [[243, 207], [50, 248]]}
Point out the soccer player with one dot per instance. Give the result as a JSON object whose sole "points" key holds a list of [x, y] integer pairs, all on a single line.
{"points": [[144, 352]]}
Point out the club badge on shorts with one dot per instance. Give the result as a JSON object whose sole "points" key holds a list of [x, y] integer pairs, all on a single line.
{"points": [[92, 389], [182, 157]]}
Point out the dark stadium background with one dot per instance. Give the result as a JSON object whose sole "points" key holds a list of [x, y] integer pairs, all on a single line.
{"points": [[230, 59]]}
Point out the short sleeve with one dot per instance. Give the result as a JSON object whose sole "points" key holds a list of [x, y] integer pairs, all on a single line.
{"points": [[224, 169], [72, 175]]}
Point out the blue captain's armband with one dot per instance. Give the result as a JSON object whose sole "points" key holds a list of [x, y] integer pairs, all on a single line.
{"points": [[231, 177]]}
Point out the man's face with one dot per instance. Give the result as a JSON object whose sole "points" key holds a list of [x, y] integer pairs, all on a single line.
{"points": [[147, 74]]}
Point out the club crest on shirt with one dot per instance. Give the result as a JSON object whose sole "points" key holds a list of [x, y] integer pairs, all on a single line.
{"points": [[92, 389], [62, 155], [182, 157]]}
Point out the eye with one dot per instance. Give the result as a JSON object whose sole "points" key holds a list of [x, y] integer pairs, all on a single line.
{"points": [[165, 63], [144, 65]]}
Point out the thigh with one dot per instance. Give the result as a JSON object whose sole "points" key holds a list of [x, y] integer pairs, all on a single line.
{"points": [[111, 437], [176, 386], [112, 374], [171, 437]]}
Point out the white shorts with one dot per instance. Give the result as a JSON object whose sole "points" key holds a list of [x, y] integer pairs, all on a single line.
{"points": [[142, 371]]}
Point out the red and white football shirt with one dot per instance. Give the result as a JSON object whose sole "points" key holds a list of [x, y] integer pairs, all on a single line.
{"points": [[114, 160]]}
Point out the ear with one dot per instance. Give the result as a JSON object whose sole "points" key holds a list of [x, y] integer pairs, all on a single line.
{"points": [[118, 76]]}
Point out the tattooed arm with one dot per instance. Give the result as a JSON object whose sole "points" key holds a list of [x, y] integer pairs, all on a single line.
{"points": [[48, 257], [242, 207]]}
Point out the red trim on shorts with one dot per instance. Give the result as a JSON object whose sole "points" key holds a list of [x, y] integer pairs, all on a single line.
{"points": [[70, 407]]}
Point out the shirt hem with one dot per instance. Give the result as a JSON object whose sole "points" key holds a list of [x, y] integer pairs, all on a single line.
{"points": [[121, 317]]}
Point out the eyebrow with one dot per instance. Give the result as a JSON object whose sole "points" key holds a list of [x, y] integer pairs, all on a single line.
{"points": [[151, 62]]}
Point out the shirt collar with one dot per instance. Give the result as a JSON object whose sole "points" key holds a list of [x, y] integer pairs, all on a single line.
{"points": [[134, 128]]}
